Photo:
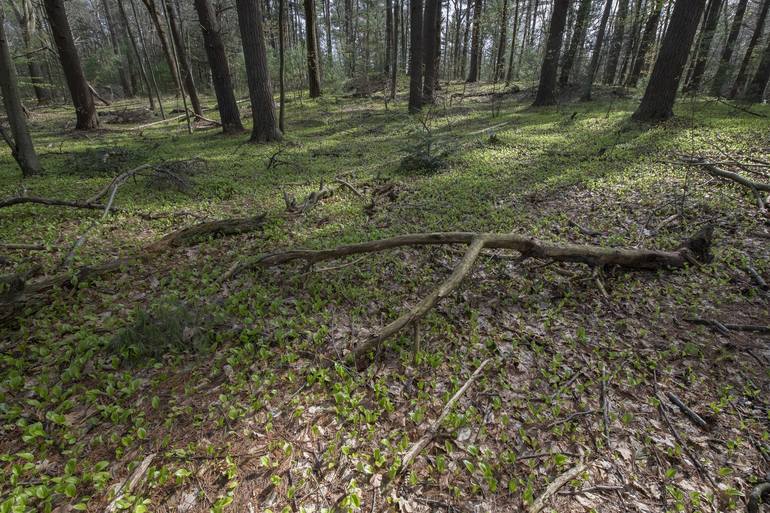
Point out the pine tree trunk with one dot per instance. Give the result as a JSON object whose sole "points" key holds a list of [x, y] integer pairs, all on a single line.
{"points": [[473, 69], [328, 25], [311, 40], [509, 72], [756, 88], [415, 56], [546, 91], [264, 128], [182, 58], [648, 37], [220, 71], [466, 36], [616, 44], [429, 50], [628, 56], [281, 65], [593, 66], [702, 54], [388, 36], [658, 101], [394, 42], [22, 148], [727, 51], [578, 38], [85, 109], [349, 37], [740, 78], [164, 43]]}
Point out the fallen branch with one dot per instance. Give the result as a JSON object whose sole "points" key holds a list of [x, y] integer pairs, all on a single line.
{"points": [[22, 247], [18, 200], [127, 487], [726, 328], [348, 185], [554, 487], [714, 170], [583, 229], [310, 201], [97, 95], [690, 414], [167, 120]]}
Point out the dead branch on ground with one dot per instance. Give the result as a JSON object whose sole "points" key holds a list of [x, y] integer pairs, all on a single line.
{"points": [[727, 328], [310, 201], [756, 187], [555, 486], [689, 413]]}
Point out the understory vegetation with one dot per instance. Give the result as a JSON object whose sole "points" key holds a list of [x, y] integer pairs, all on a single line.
{"points": [[174, 383]]}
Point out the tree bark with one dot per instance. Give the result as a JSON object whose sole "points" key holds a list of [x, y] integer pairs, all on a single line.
{"points": [[578, 38], [388, 36], [430, 50], [22, 148], [650, 29], [415, 56], [658, 101], [498, 69], [27, 17], [349, 37], [473, 68], [594, 64], [257, 72], [311, 39], [546, 91], [702, 54], [740, 78], [183, 59], [85, 110], [514, 34], [616, 44], [125, 81], [756, 88], [727, 51], [164, 43], [137, 53], [628, 56], [282, 65], [394, 42], [220, 71]]}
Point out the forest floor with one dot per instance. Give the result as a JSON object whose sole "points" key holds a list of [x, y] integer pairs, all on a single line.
{"points": [[215, 394]]}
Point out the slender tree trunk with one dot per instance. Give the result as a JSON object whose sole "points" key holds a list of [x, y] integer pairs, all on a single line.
{"points": [[415, 56], [593, 66], [388, 36], [220, 71], [181, 54], [147, 60], [702, 54], [85, 109], [26, 15], [514, 33], [616, 44], [281, 65], [257, 74], [164, 42], [328, 25], [394, 42], [578, 38], [546, 91], [21, 146], [137, 53], [498, 69], [658, 101], [727, 51], [628, 56], [311, 38], [122, 64], [756, 88], [404, 23], [349, 37], [429, 50], [466, 36], [525, 35], [740, 78], [473, 70], [648, 37]]}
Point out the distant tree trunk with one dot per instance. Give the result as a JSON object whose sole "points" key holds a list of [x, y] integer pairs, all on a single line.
{"points": [[220, 71], [546, 91], [498, 69], [328, 25], [658, 101], [281, 65], [596, 55], [257, 73], [429, 50], [150, 72], [388, 36], [616, 44], [415, 56], [26, 15], [727, 51], [702, 53], [85, 109], [524, 36], [164, 43], [122, 64], [740, 78], [473, 69], [628, 56], [756, 88], [22, 148], [466, 35], [350, 38], [394, 42], [648, 37], [509, 72], [182, 58], [311, 39], [578, 38], [137, 53]]}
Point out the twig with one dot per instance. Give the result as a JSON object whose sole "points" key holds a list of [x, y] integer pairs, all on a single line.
{"points": [[554, 487], [127, 487], [742, 109], [582, 229], [605, 407], [22, 247], [591, 489], [349, 186], [697, 419], [726, 328], [569, 418]]}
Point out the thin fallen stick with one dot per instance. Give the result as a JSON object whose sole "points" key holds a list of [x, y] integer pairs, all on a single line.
{"points": [[554, 487], [726, 328], [349, 186], [697, 419], [19, 200], [167, 120], [582, 229], [22, 247], [127, 487], [605, 407], [591, 489], [569, 418]]}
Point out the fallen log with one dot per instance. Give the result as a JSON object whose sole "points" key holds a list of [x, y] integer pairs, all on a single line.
{"points": [[716, 171], [18, 200]]}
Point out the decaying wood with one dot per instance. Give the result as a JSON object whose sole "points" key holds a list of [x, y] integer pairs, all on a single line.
{"points": [[97, 95], [128, 487], [756, 187], [690, 414], [19, 200], [192, 234], [727, 327], [310, 201], [555, 486]]}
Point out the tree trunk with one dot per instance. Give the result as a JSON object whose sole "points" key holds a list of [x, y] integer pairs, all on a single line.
{"points": [[388, 36], [328, 26], [509, 73], [430, 50], [546, 91], [756, 88], [594, 64], [648, 37], [616, 44], [85, 109], [628, 56], [702, 54], [740, 78], [473, 69], [349, 37], [498, 69], [282, 65], [26, 16], [727, 51], [394, 42], [183, 59], [116, 50], [415, 56], [257, 72], [137, 54], [658, 101], [164, 43], [220, 71], [311, 40], [466, 35], [150, 72], [22, 148], [578, 38]]}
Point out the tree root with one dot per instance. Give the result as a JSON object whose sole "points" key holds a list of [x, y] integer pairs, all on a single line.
{"points": [[476, 242]]}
